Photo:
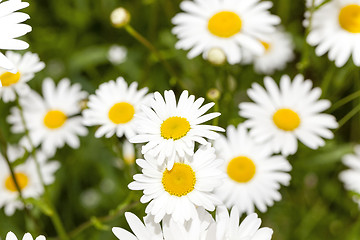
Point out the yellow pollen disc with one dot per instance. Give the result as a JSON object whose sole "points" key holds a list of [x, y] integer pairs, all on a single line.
{"points": [[349, 18], [286, 119], [21, 179], [9, 78], [180, 180], [54, 119], [121, 113], [225, 24], [174, 128], [241, 169], [266, 45]]}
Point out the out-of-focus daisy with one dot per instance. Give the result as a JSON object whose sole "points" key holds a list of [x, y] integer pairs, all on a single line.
{"points": [[253, 174], [309, 4], [26, 176], [11, 28], [177, 192], [113, 107], [231, 25], [351, 177], [227, 227], [278, 52], [171, 129], [117, 54], [27, 236], [281, 115], [15, 83], [171, 230], [335, 28], [52, 121]]}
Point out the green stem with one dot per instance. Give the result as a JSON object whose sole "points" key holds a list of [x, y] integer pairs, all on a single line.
{"points": [[54, 214], [345, 100], [152, 48], [348, 116]]}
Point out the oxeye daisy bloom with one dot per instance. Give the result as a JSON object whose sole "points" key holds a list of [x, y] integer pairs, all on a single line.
{"points": [[351, 176], [281, 115], [177, 192], [15, 83], [253, 174], [113, 107], [27, 236], [335, 28], [26, 176], [52, 120], [278, 52], [230, 25], [11, 28], [171, 129], [170, 230], [227, 227]]}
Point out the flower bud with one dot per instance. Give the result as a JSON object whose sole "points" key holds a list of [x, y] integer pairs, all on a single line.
{"points": [[120, 17], [216, 56], [213, 94]]}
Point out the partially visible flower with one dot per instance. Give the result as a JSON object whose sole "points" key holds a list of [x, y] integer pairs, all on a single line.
{"points": [[27, 236], [308, 5], [227, 227], [15, 83], [179, 191], [52, 120], [113, 107], [128, 152], [171, 129], [11, 28], [229, 25], [283, 114], [27, 178], [335, 29], [117, 54], [253, 175], [351, 176], [120, 17]]}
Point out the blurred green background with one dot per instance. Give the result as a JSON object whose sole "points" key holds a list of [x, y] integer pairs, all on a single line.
{"points": [[73, 37]]}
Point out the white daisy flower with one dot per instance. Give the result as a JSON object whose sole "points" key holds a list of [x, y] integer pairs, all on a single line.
{"points": [[12, 84], [113, 107], [278, 52], [27, 236], [171, 129], [335, 28], [281, 115], [351, 177], [253, 175], [227, 227], [26, 176], [52, 121], [231, 25], [170, 230], [117, 54], [189, 184], [11, 28]]}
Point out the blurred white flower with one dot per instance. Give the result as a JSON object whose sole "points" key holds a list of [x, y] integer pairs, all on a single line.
{"points": [[128, 152], [117, 54], [282, 114], [15, 83], [11, 28], [120, 17], [27, 236]]}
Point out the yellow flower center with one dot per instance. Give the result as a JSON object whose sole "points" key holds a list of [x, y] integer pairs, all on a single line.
{"points": [[121, 113], [21, 179], [286, 119], [9, 78], [174, 128], [266, 45], [349, 18], [241, 169], [225, 24], [180, 180], [54, 119]]}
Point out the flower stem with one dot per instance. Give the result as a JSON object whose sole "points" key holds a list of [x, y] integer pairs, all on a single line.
{"points": [[345, 100], [152, 48], [348, 116], [54, 216]]}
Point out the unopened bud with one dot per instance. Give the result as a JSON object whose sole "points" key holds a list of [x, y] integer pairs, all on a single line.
{"points": [[213, 94], [120, 17], [216, 56], [83, 104], [128, 153]]}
